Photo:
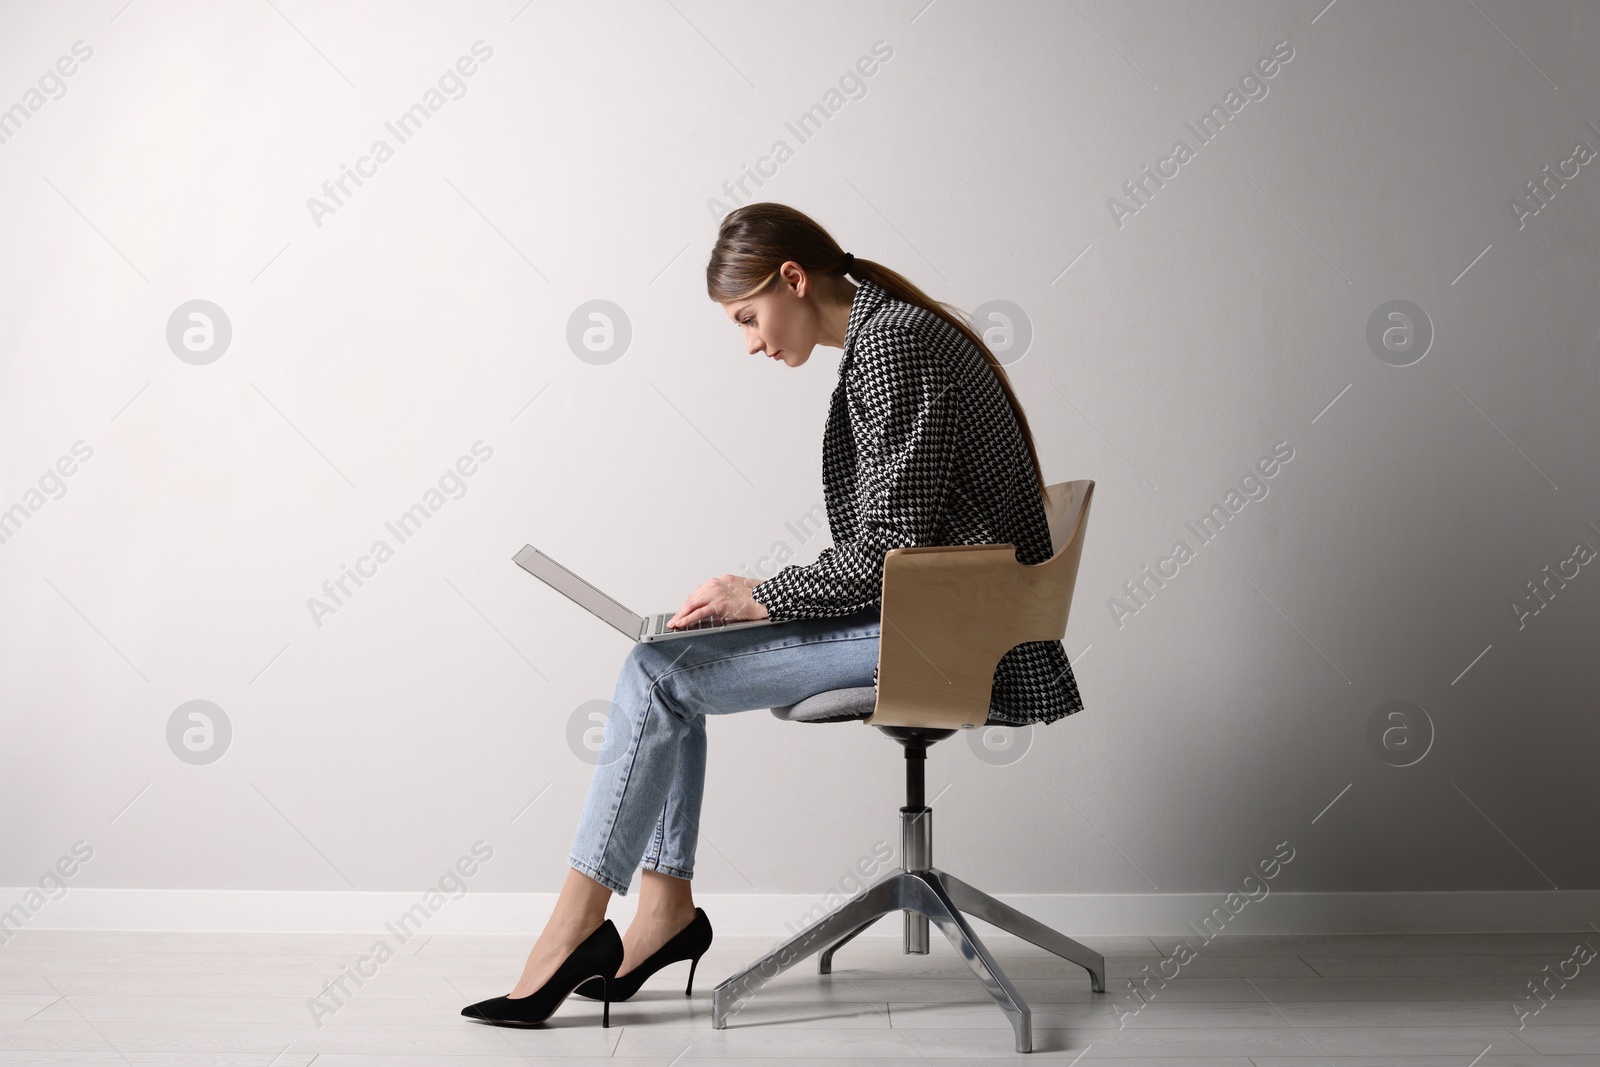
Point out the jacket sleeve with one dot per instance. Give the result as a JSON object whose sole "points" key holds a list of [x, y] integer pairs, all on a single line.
{"points": [[905, 436]]}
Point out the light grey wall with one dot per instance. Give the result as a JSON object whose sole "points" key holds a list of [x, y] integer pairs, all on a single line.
{"points": [[1172, 349]]}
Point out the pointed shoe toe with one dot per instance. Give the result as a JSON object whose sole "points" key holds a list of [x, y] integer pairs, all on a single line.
{"points": [[595, 961]]}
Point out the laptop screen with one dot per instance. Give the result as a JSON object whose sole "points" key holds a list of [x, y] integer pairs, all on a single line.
{"points": [[576, 589]]}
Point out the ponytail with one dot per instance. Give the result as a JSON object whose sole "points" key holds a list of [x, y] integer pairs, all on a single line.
{"points": [[755, 240]]}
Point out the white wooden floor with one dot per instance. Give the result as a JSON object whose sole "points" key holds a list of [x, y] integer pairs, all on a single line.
{"points": [[241, 999]]}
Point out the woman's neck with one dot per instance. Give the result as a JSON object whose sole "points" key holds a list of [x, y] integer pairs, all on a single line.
{"points": [[835, 316]]}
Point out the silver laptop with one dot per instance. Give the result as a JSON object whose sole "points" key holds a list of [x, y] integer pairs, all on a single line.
{"points": [[638, 627]]}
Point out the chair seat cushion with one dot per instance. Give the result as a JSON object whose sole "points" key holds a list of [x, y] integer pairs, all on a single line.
{"points": [[835, 705]]}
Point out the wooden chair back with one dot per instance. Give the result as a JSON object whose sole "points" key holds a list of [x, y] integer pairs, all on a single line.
{"points": [[950, 612]]}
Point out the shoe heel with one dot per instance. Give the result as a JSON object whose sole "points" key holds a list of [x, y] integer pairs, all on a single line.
{"points": [[605, 1012], [692, 965]]}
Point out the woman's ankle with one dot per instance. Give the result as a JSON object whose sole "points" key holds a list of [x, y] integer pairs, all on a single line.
{"points": [[573, 926], [581, 906], [671, 917], [664, 897]]}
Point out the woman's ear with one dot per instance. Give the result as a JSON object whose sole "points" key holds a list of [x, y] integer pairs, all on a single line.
{"points": [[795, 277]]}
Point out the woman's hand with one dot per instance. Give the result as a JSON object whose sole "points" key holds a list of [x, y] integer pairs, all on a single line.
{"points": [[727, 598]]}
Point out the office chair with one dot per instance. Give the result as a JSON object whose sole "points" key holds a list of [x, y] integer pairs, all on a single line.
{"points": [[948, 614]]}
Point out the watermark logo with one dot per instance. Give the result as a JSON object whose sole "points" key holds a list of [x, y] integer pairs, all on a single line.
{"points": [[51, 486], [805, 526], [1583, 954], [199, 732], [1005, 328], [338, 992], [851, 85], [848, 886], [52, 886], [591, 725], [451, 85], [1399, 333], [451, 485], [52, 86], [1400, 733], [1542, 592], [1000, 746], [599, 332], [199, 332], [1543, 189], [1254, 890], [1142, 590], [1142, 188]]}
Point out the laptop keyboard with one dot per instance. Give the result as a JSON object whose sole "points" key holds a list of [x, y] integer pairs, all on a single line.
{"points": [[707, 623]]}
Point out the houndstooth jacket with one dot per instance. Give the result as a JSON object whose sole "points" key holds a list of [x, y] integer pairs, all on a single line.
{"points": [[922, 448]]}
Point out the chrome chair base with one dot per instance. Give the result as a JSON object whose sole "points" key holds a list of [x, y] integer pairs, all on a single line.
{"points": [[925, 894]]}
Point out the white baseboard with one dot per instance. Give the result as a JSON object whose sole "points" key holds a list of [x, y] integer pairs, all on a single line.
{"points": [[778, 915]]}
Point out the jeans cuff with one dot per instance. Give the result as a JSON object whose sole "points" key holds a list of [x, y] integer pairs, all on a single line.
{"points": [[666, 868], [594, 872]]}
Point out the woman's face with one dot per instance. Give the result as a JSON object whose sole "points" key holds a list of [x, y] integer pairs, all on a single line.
{"points": [[782, 322]]}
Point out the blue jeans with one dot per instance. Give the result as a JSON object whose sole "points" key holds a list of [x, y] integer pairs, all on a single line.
{"points": [[643, 807]]}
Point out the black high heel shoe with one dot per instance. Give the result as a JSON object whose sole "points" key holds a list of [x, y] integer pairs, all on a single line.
{"points": [[690, 943], [596, 960]]}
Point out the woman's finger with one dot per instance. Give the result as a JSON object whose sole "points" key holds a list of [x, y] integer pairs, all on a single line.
{"points": [[704, 611], [695, 600]]}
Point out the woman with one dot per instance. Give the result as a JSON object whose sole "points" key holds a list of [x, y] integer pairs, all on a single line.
{"points": [[925, 445]]}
